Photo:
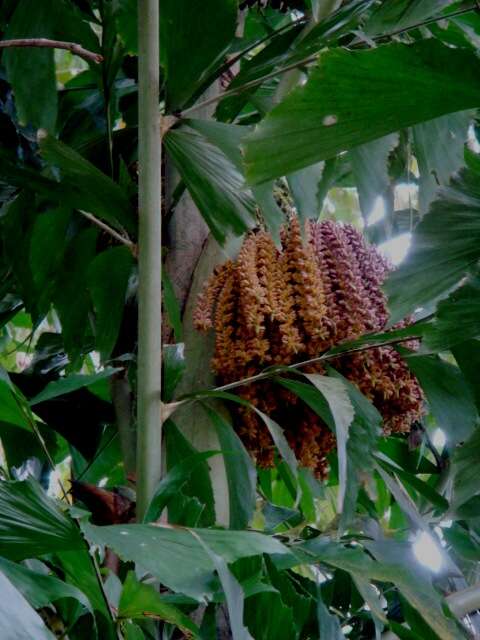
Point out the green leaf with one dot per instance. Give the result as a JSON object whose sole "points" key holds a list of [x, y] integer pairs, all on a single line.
{"points": [[132, 631], [392, 15], [399, 566], [175, 557], [19, 620], [402, 632], [88, 188], [78, 569], [108, 276], [199, 484], [229, 138], [469, 510], [140, 600], [280, 442], [173, 368], [409, 508], [341, 408], [465, 463], [272, 214], [70, 383], [329, 399], [20, 446], [32, 19], [170, 486], [17, 221], [71, 297], [415, 621], [398, 451], [267, 616], [467, 355], [10, 405], [449, 397], [446, 242], [304, 187], [125, 13], [370, 170], [394, 563], [337, 109], [276, 516], [212, 30], [462, 542], [423, 488], [363, 441], [41, 590], [241, 474], [273, 53], [31, 524], [172, 306], [457, 317], [275, 430], [47, 248], [105, 463], [214, 182], [439, 146], [232, 589], [328, 624]]}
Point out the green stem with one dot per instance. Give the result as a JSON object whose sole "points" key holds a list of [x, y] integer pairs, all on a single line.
{"points": [[150, 264]]}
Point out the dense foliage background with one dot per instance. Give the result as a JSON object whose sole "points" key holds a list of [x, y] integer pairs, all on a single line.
{"points": [[362, 111]]}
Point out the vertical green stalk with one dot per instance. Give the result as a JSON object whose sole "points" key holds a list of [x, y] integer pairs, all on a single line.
{"points": [[150, 265]]}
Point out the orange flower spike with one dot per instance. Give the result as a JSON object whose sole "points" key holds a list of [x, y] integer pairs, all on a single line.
{"points": [[374, 270], [250, 292], [267, 272], [224, 362], [202, 314], [301, 265]]}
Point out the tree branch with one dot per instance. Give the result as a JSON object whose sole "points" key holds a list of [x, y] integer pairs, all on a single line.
{"points": [[45, 43]]}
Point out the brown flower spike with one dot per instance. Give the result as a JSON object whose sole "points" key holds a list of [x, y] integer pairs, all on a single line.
{"points": [[278, 307]]}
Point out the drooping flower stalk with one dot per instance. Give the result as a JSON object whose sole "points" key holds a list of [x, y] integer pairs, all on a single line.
{"points": [[278, 307]]}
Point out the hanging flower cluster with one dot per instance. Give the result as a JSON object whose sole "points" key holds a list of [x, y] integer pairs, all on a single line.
{"points": [[278, 307]]}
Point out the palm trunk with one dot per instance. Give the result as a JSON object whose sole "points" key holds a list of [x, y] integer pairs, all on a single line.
{"points": [[150, 263]]}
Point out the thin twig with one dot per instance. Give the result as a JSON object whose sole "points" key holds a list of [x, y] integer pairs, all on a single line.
{"points": [[45, 43], [313, 58], [118, 236]]}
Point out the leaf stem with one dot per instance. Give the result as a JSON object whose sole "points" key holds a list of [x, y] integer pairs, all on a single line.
{"points": [[149, 433], [46, 43], [271, 371]]}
